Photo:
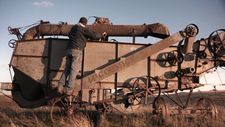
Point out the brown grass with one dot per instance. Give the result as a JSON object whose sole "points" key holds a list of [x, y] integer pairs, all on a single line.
{"points": [[13, 116], [40, 117]]}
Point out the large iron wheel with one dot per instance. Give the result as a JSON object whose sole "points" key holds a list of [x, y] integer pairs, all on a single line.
{"points": [[160, 108], [205, 107], [216, 43], [144, 87], [60, 108]]}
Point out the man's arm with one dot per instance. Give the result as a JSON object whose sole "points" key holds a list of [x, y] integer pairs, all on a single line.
{"points": [[92, 35]]}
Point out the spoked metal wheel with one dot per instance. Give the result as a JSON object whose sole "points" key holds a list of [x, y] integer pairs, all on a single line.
{"points": [[137, 91], [146, 87], [60, 108], [12, 43], [160, 108], [142, 90], [205, 107], [216, 43]]}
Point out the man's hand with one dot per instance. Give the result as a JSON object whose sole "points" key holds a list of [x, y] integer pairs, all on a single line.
{"points": [[104, 34], [103, 38]]}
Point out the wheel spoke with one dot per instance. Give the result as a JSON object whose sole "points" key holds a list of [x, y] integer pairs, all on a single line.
{"points": [[140, 90]]}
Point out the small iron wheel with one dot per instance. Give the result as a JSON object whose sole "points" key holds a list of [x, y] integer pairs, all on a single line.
{"points": [[160, 108], [12, 43]]}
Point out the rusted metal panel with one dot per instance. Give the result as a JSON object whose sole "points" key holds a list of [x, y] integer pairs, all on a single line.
{"points": [[98, 54], [36, 68], [28, 58], [131, 59], [136, 70], [31, 48]]}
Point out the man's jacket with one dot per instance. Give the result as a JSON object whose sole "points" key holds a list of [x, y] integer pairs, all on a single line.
{"points": [[78, 36]]}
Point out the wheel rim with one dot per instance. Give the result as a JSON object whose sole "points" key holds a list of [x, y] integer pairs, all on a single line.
{"points": [[207, 108], [161, 107], [140, 89]]}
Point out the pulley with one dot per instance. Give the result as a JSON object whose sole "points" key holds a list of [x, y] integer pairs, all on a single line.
{"points": [[191, 30], [12, 43], [168, 59]]}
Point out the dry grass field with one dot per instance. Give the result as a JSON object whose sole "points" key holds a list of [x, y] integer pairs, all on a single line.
{"points": [[13, 116]]}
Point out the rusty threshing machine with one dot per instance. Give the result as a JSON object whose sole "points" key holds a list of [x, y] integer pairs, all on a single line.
{"points": [[116, 73]]}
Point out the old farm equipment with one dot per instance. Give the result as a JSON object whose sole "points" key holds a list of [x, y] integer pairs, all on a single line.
{"points": [[114, 73]]}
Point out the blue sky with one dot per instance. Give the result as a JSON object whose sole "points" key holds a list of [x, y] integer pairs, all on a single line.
{"points": [[209, 15]]}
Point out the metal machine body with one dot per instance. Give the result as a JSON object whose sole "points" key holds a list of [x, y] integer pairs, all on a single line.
{"points": [[115, 71]]}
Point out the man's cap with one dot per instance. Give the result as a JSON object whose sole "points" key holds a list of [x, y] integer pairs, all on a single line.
{"points": [[83, 20]]}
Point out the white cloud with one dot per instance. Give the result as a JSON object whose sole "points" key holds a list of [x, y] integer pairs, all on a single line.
{"points": [[43, 4]]}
